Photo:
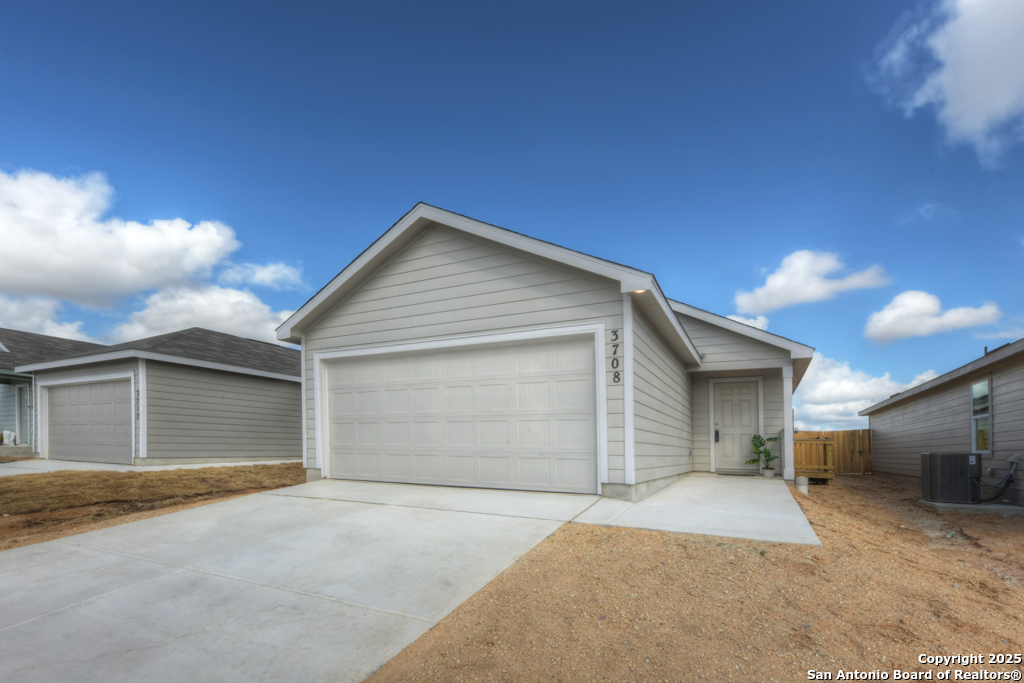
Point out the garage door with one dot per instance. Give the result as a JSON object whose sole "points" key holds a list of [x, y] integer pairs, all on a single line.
{"points": [[90, 422], [514, 416]]}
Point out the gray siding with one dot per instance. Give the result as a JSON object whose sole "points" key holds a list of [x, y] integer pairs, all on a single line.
{"points": [[199, 413], [720, 345], [661, 406], [7, 398], [447, 283], [940, 421], [773, 409], [128, 364]]}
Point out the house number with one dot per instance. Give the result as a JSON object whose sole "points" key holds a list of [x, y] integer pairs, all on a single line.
{"points": [[616, 361]]}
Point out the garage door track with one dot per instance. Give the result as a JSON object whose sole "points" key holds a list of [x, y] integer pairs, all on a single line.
{"points": [[324, 581]]}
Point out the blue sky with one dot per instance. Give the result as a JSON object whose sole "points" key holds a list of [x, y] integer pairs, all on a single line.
{"points": [[216, 163]]}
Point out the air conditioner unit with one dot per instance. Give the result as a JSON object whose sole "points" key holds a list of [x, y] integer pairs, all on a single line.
{"points": [[950, 477]]}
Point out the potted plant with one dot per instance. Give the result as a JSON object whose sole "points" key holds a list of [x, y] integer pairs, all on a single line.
{"points": [[764, 455]]}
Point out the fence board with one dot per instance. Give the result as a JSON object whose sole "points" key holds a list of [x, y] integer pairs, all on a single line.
{"points": [[852, 451]]}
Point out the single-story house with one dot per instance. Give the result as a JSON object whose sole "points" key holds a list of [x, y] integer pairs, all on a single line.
{"points": [[455, 352], [194, 396], [977, 408], [20, 348]]}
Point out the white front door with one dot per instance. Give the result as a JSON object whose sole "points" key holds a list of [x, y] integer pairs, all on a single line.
{"points": [[24, 414], [736, 421]]}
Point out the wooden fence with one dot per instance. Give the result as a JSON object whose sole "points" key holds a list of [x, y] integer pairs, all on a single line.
{"points": [[851, 452]]}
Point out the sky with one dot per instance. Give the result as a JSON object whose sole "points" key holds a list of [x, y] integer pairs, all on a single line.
{"points": [[848, 175]]}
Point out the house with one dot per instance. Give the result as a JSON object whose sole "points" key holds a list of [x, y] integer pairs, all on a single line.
{"points": [[979, 407], [19, 348], [455, 352], [194, 396]]}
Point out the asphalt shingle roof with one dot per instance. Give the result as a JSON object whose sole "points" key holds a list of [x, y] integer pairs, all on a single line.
{"points": [[28, 347], [197, 343]]}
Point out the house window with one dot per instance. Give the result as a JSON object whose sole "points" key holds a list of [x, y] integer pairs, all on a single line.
{"points": [[981, 404]]}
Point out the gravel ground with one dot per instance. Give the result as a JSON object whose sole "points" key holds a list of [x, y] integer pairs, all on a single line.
{"points": [[893, 581]]}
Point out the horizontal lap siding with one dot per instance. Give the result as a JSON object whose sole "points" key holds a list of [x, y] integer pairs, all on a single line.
{"points": [[7, 399], [448, 283], [940, 421], [719, 345], [106, 368], [197, 413], [662, 419]]}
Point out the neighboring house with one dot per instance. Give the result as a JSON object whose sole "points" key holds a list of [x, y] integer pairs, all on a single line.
{"points": [[193, 396], [456, 352], [19, 348], [979, 407]]}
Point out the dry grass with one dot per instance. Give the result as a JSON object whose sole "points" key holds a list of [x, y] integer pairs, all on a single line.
{"points": [[604, 603], [50, 491], [45, 506]]}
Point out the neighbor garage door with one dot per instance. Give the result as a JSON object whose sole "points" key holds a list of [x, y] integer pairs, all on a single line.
{"points": [[90, 422], [516, 416]]}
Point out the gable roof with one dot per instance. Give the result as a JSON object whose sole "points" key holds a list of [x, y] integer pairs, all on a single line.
{"points": [[195, 346], [654, 303], [1000, 354], [800, 354], [20, 348]]}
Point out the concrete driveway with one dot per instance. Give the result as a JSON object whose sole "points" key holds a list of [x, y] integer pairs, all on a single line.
{"points": [[318, 582]]}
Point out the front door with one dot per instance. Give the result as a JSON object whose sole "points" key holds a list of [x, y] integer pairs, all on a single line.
{"points": [[736, 420], [24, 414]]}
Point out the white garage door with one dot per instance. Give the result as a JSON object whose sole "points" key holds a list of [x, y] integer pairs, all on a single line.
{"points": [[512, 416], [90, 422]]}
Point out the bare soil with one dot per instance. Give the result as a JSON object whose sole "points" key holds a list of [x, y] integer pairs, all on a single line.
{"points": [[42, 507], [892, 581]]}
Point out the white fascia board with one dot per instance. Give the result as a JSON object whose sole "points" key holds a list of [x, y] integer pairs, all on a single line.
{"points": [[630, 279], [663, 301], [796, 349], [974, 366], [165, 358]]}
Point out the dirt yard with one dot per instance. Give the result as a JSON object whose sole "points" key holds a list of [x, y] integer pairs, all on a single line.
{"points": [[893, 581], [41, 507]]}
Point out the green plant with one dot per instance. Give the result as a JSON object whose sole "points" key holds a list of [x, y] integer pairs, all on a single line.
{"points": [[761, 449]]}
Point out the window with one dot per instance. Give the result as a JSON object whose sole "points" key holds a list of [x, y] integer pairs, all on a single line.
{"points": [[981, 404]]}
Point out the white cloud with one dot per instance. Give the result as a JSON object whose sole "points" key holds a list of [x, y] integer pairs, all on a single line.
{"points": [[802, 277], [37, 314], [965, 59], [1005, 334], [68, 248], [274, 275], [930, 212], [920, 314], [760, 322], [832, 393], [234, 311]]}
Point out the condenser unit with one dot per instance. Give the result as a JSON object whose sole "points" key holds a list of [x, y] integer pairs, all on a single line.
{"points": [[950, 477]]}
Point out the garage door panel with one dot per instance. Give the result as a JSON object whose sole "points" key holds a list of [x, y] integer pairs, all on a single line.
{"points": [[91, 422], [449, 416]]}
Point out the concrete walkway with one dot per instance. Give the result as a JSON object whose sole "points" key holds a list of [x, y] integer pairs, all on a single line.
{"points": [[38, 465], [319, 582], [753, 508]]}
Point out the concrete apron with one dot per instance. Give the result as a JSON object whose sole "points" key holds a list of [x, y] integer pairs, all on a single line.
{"points": [[319, 582], [753, 508]]}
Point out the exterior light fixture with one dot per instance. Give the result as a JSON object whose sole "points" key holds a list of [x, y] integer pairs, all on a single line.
{"points": [[640, 291]]}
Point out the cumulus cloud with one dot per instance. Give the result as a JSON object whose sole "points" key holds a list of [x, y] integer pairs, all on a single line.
{"points": [[964, 59], [234, 311], [832, 393], [38, 314], [920, 314], [804, 276], [273, 275], [69, 248], [760, 322]]}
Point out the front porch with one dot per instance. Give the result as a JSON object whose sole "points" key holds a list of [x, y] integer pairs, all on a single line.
{"points": [[753, 508]]}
